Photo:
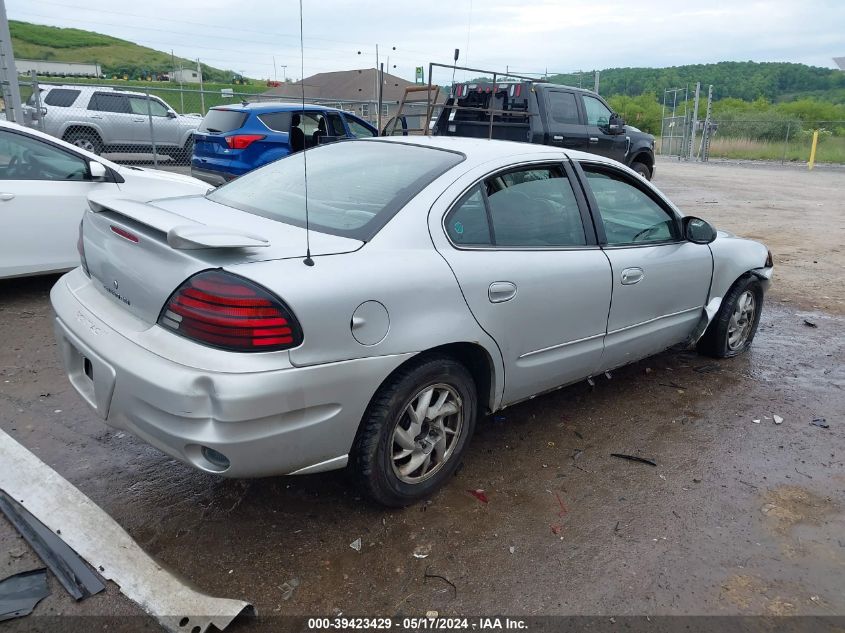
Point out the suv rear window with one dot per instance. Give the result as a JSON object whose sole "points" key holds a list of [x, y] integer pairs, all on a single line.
{"points": [[354, 187], [276, 121], [109, 102], [222, 121], [61, 97]]}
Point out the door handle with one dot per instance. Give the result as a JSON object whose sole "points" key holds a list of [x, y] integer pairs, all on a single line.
{"points": [[557, 137], [139, 120], [501, 291], [594, 139], [6, 196], [632, 276], [94, 116]]}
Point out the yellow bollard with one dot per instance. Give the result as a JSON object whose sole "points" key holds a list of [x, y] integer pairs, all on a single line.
{"points": [[813, 149]]}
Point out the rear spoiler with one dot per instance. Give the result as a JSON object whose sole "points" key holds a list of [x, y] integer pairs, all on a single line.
{"points": [[181, 233]]}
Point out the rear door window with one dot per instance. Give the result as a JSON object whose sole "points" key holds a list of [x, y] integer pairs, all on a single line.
{"points": [[222, 121], [562, 107], [106, 102], [524, 208], [61, 97], [276, 121]]}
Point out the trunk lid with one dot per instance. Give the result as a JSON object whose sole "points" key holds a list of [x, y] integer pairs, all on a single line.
{"points": [[139, 253]]}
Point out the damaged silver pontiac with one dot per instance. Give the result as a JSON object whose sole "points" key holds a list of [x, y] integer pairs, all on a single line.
{"points": [[366, 314]]}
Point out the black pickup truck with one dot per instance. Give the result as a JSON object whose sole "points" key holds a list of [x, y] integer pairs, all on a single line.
{"points": [[545, 113]]}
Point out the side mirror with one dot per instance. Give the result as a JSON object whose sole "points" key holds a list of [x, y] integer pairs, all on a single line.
{"points": [[616, 124], [698, 231], [171, 114], [97, 170]]}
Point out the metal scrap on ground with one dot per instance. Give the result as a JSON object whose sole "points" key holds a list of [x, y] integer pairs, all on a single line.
{"points": [[20, 593], [634, 458], [79, 581], [106, 546]]}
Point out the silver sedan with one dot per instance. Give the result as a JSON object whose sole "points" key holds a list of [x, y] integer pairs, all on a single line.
{"points": [[369, 318]]}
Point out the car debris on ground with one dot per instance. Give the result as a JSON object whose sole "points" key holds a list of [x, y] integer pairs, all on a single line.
{"points": [[20, 593], [101, 542], [634, 458]]}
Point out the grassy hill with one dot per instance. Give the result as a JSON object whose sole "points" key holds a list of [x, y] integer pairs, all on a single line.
{"points": [[116, 57], [774, 81]]}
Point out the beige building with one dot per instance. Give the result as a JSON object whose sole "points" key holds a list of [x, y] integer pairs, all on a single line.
{"points": [[348, 86]]}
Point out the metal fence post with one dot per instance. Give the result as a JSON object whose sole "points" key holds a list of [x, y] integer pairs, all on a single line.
{"points": [[786, 142], [152, 133], [36, 93]]}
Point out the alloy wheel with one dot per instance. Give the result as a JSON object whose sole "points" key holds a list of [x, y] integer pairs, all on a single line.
{"points": [[742, 320], [426, 433]]}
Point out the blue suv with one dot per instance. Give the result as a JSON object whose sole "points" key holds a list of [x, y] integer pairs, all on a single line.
{"points": [[235, 139]]}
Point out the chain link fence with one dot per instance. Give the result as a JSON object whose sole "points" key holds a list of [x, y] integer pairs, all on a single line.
{"points": [[151, 126], [773, 139]]}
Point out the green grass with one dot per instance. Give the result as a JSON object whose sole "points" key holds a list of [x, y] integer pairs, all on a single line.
{"points": [[829, 150], [188, 101], [115, 56]]}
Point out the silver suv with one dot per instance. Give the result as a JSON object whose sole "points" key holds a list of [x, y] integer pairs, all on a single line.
{"points": [[106, 120]]}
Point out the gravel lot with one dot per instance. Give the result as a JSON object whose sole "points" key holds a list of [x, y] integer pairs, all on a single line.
{"points": [[737, 517]]}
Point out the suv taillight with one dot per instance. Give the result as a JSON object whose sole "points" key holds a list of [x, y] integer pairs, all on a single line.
{"points": [[80, 247], [223, 310], [242, 141]]}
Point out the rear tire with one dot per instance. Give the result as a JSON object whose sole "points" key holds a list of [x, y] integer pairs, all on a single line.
{"points": [[642, 169], [734, 326], [415, 431], [182, 155], [83, 139]]}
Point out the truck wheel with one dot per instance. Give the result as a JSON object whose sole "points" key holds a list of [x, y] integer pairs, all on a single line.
{"points": [[642, 169], [89, 141], [415, 431]]}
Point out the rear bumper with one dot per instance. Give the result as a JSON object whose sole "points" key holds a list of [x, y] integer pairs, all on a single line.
{"points": [[294, 419], [215, 178]]}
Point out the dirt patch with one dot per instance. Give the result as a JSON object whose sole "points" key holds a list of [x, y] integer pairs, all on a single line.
{"points": [[798, 214], [788, 505]]}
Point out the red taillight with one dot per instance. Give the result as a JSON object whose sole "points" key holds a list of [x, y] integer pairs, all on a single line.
{"points": [[518, 90], [242, 141], [80, 247], [226, 311]]}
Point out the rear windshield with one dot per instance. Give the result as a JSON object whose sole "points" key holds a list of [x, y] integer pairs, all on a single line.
{"points": [[222, 121], [354, 187]]}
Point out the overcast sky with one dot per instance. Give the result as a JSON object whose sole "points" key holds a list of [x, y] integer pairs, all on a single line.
{"points": [[527, 35]]}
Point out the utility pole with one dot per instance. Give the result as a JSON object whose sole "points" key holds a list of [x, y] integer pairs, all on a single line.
{"points": [[284, 73], [8, 72], [202, 96], [181, 92], [596, 87]]}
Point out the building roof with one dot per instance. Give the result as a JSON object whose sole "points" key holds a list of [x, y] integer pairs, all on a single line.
{"points": [[344, 85]]}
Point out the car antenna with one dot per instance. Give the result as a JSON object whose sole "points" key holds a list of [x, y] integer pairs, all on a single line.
{"points": [[307, 261]]}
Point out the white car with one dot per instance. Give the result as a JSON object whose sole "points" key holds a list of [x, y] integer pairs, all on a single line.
{"points": [[44, 187]]}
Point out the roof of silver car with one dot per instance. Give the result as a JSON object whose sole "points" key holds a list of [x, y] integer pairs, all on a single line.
{"points": [[478, 149]]}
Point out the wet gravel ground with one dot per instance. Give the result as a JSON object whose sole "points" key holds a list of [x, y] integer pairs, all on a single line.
{"points": [[739, 516]]}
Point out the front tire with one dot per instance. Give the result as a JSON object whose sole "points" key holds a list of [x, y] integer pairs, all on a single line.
{"points": [[642, 169], [415, 431], [732, 330], [89, 141]]}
